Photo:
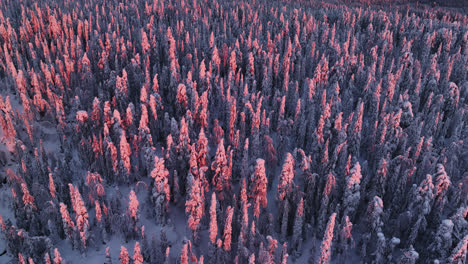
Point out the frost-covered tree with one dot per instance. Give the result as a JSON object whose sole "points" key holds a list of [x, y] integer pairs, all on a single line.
{"points": [[326, 245], [330, 184], [227, 234], [352, 192], [258, 183], [442, 240], [286, 178], [441, 186], [161, 189], [184, 258], [124, 257], [297, 237], [459, 253], [137, 257], [410, 256], [57, 257], [374, 214], [133, 205], [345, 238], [219, 166], [108, 259], [125, 154]]}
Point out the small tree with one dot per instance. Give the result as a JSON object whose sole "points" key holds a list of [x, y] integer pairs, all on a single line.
{"points": [[124, 257], [194, 207], [137, 257], [133, 206], [57, 257], [459, 253]]}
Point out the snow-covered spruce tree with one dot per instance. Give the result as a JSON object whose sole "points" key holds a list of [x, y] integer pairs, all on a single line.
{"points": [[108, 259], [133, 212], [442, 241], [57, 257], [351, 195], [244, 164], [124, 257], [284, 194], [345, 238], [459, 253], [286, 179], [326, 246], [325, 201], [420, 206], [410, 256], [219, 166], [125, 154], [374, 214], [81, 216], [380, 248], [213, 229], [441, 186], [258, 184], [161, 189], [284, 220], [137, 257], [227, 234], [270, 157], [297, 238], [202, 149], [195, 207]]}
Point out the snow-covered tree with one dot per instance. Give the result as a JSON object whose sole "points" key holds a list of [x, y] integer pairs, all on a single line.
{"points": [[133, 205], [137, 257], [213, 220], [227, 234], [442, 240], [124, 257], [459, 253], [297, 237], [286, 178], [195, 207], [326, 246], [219, 166], [410, 256], [258, 183], [352, 191]]}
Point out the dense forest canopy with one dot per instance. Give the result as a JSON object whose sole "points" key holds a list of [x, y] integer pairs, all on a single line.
{"points": [[217, 131]]}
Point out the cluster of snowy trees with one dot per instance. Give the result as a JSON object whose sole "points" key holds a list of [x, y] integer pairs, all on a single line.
{"points": [[282, 131]]}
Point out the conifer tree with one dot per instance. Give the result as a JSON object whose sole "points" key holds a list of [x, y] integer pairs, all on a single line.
{"points": [[258, 183], [459, 253], [184, 259], [352, 191], [137, 257], [194, 207], [442, 239], [285, 185], [326, 246], [219, 166], [57, 257], [133, 206], [297, 237], [228, 229], [124, 257], [213, 220]]}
